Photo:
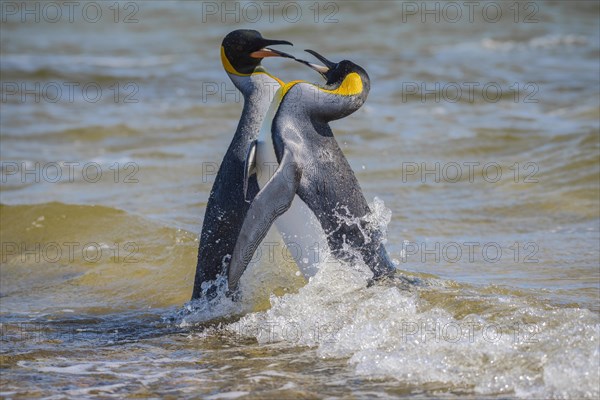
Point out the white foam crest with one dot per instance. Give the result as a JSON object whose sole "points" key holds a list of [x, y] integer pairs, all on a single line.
{"points": [[540, 42], [507, 346], [146, 370], [316, 311], [227, 395], [388, 332]]}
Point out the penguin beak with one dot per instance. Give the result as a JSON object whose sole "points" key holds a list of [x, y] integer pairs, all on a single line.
{"points": [[322, 69], [267, 52]]}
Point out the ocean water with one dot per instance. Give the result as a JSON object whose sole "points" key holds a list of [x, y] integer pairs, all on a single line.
{"points": [[478, 149]]}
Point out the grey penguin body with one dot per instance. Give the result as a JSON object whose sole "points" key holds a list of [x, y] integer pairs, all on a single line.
{"points": [[330, 189], [227, 207], [312, 166]]}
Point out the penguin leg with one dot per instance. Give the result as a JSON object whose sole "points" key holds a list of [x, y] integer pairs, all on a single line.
{"points": [[249, 168], [272, 200]]}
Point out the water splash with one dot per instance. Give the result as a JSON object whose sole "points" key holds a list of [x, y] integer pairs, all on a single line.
{"points": [[463, 341], [211, 305]]}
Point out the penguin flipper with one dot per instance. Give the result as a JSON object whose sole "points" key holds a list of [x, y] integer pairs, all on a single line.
{"points": [[249, 168], [272, 200]]}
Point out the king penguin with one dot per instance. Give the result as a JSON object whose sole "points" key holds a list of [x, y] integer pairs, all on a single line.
{"points": [[312, 167], [241, 54]]}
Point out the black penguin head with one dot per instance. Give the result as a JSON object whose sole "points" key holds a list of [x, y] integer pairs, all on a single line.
{"points": [[347, 86], [335, 73], [243, 50]]}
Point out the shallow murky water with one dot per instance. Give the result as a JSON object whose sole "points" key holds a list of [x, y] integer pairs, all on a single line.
{"points": [[480, 138]]}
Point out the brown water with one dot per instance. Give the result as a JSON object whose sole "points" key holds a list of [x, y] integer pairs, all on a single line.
{"points": [[492, 200]]}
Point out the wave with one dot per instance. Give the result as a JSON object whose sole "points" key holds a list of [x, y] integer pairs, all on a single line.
{"points": [[94, 258], [443, 336], [90, 133], [28, 66], [539, 42], [436, 335]]}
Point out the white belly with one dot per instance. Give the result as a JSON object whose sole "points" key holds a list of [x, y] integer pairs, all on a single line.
{"points": [[301, 231]]}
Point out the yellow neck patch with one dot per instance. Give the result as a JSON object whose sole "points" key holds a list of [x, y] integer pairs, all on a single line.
{"points": [[351, 85], [286, 87]]}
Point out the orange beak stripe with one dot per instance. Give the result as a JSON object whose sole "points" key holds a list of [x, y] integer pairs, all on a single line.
{"points": [[262, 53]]}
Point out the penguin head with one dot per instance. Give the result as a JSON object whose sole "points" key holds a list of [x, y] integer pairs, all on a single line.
{"points": [[334, 73], [242, 51], [346, 88]]}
